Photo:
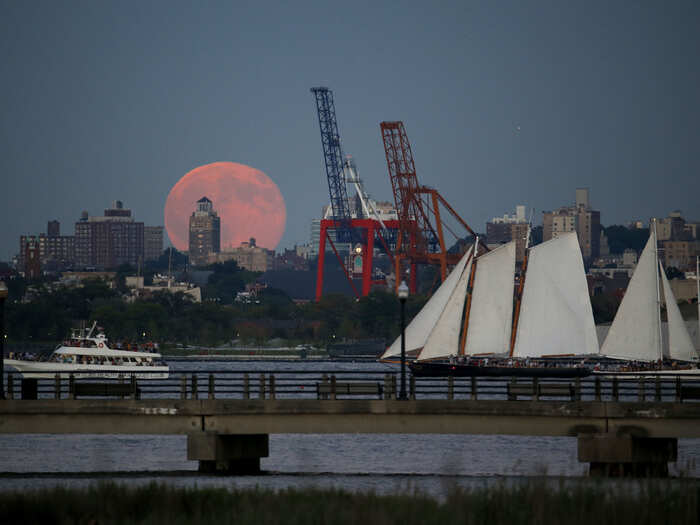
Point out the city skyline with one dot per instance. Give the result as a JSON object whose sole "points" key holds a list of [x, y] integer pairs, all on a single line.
{"points": [[503, 106]]}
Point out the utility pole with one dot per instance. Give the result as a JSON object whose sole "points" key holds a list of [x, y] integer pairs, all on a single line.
{"points": [[3, 296]]}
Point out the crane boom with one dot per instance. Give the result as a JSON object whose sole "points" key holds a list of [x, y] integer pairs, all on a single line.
{"points": [[333, 157]]}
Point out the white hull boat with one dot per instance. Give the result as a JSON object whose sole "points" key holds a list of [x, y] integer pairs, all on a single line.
{"points": [[86, 355]]}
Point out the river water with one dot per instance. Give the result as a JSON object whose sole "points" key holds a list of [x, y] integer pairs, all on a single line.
{"points": [[431, 463]]}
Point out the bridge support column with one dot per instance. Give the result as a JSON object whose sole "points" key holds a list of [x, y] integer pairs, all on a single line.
{"points": [[610, 455], [228, 453]]}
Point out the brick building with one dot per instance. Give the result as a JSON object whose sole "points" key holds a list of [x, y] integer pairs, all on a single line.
{"points": [[247, 256], [205, 233], [152, 242], [579, 218], [110, 240], [56, 251], [504, 229]]}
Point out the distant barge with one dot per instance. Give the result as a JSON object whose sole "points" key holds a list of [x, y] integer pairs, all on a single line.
{"points": [[357, 349]]}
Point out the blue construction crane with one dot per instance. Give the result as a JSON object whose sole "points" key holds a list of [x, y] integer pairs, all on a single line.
{"points": [[333, 156]]}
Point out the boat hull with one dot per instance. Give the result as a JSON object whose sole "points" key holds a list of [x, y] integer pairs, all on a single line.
{"points": [[368, 348], [430, 369], [641, 374], [46, 370]]}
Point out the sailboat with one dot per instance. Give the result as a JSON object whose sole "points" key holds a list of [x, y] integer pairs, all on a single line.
{"points": [[478, 324], [636, 334], [418, 330]]}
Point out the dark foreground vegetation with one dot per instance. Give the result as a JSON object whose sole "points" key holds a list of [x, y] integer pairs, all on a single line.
{"points": [[534, 501]]}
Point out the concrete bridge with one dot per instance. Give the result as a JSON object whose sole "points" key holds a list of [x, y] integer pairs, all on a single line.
{"points": [[231, 435]]}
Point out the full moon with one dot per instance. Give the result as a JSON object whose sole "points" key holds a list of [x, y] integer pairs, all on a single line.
{"points": [[247, 201]]}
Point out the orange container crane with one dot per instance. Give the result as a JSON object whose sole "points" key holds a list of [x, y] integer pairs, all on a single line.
{"points": [[420, 239]]}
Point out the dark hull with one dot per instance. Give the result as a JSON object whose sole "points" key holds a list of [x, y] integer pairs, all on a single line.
{"points": [[462, 370], [367, 348]]}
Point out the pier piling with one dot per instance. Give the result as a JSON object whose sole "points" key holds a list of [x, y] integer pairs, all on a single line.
{"points": [[611, 455], [236, 454]]}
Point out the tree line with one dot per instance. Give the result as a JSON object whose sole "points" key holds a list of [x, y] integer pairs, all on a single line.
{"points": [[167, 317]]}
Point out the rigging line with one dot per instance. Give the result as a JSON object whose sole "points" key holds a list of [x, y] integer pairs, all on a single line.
{"points": [[442, 223]]}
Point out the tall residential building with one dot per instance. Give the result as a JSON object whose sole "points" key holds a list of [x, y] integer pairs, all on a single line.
{"points": [[53, 229], [675, 228], [247, 256], [670, 228], [680, 254], [32, 261], [504, 229], [56, 251], [152, 242], [579, 218], [677, 241], [205, 233], [109, 241]]}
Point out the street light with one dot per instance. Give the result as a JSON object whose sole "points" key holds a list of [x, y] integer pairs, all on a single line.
{"points": [[403, 295], [3, 296]]}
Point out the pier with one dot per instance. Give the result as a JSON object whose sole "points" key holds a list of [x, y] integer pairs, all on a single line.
{"points": [[622, 427]]}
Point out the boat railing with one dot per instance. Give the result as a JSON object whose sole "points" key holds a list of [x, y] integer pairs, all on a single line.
{"points": [[338, 385]]}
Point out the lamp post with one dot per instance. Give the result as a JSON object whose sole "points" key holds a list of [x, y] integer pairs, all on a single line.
{"points": [[403, 295], [3, 296]]}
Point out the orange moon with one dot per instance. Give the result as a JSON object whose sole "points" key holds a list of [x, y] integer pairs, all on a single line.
{"points": [[248, 202]]}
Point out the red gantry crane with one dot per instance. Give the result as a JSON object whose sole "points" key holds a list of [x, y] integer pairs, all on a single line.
{"points": [[360, 232], [420, 238]]}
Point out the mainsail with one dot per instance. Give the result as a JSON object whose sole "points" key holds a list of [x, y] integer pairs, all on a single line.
{"points": [[556, 317], [491, 312], [680, 346], [635, 332], [419, 328], [443, 340]]}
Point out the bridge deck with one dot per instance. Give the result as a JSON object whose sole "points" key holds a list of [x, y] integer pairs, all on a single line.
{"points": [[254, 416]]}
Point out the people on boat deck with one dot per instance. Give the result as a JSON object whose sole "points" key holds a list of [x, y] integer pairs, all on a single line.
{"points": [[119, 345]]}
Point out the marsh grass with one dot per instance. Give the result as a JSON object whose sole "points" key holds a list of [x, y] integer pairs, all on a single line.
{"points": [[536, 500]]}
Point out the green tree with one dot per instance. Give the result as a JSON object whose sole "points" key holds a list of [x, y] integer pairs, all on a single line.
{"points": [[604, 307], [226, 281], [674, 273], [621, 238]]}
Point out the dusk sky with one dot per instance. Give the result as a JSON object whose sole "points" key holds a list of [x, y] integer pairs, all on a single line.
{"points": [[503, 102]]}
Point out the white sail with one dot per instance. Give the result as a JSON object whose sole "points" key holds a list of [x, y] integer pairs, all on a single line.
{"points": [[491, 311], [680, 346], [443, 340], [635, 333], [556, 317], [420, 327]]}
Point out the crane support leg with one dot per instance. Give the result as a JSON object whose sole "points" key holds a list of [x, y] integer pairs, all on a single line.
{"points": [[368, 260], [321, 261], [413, 280]]}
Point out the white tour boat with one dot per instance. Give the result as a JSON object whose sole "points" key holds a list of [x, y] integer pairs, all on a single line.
{"points": [[88, 355]]}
